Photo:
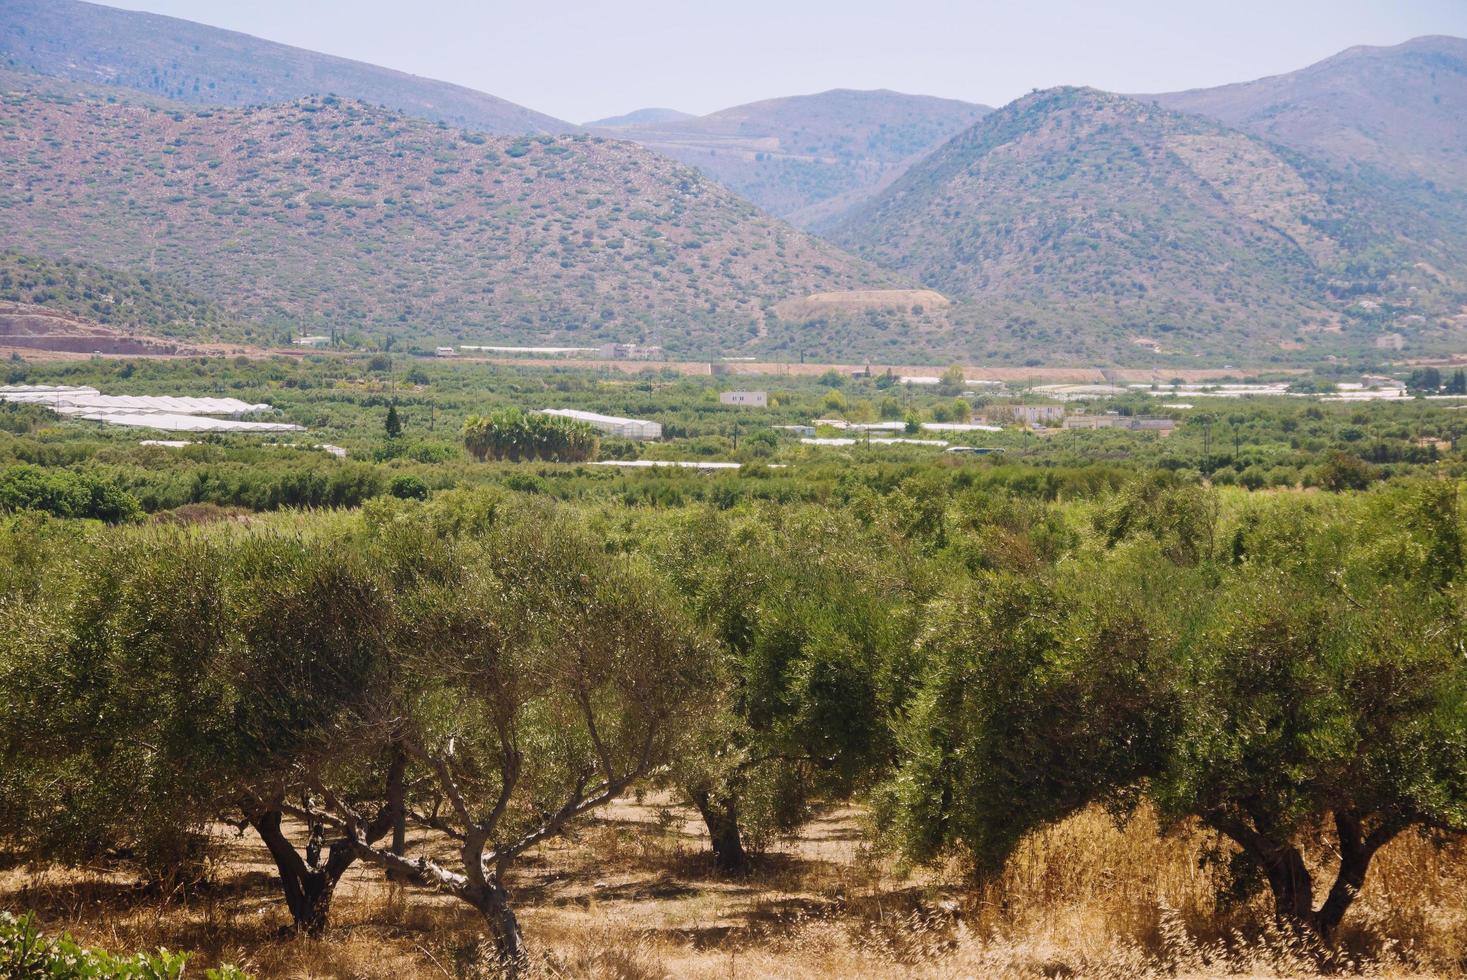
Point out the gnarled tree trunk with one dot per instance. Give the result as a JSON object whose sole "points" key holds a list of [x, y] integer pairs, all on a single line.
{"points": [[308, 887], [1289, 879], [308, 882], [492, 903], [720, 813]]}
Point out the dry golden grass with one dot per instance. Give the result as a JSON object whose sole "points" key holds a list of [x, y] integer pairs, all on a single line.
{"points": [[633, 897]]}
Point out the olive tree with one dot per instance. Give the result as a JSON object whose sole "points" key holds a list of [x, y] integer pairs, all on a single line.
{"points": [[111, 716], [312, 629], [1308, 682], [162, 680], [534, 678], [1299, 709], [811, 616]]}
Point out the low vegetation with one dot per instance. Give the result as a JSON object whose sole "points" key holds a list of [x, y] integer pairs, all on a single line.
{"points": [[484, 705]]}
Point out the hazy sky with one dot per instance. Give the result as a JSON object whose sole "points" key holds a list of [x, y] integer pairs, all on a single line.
{"points": [[583, 59]]}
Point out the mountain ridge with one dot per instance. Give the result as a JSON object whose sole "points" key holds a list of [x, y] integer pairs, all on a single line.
{"points": [[1400, 109], [807, 158], [327, 214], [1159, 231], [192, 62]]}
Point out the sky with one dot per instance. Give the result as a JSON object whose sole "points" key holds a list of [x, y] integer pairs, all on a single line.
{"points": [[585, 59]]}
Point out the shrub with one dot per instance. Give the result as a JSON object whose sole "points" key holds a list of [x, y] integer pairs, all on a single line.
{"points": [[408, 487], [26, 954]]}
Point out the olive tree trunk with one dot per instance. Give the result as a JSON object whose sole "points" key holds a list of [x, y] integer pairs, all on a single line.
{"points": [[1289, 879], [308, 887], [720, 813]]}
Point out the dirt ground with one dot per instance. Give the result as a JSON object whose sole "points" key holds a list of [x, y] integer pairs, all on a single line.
{"points": [[633, 896]]}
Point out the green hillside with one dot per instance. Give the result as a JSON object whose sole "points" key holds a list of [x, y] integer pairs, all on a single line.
{"points": [[327, 215], [132, 303], [1092, 225]]}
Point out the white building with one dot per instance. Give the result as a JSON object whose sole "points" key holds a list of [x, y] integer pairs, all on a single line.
{"points": [[166, 413], [630, 352], [314, 340], [752, 399], [445, 352], [612, 424], [1028, 414]]}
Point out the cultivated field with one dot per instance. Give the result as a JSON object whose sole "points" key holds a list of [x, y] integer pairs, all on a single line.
{"points": [[633, 895]]}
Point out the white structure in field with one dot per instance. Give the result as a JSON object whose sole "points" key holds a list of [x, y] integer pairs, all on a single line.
{"points": [[615, 425], [163, 412], [631, 352], [445, 352], [530, 350], [753, 399], [314, 340], [82, 400]]}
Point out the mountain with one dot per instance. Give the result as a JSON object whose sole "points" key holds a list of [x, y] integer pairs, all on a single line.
{"points": [[640, 117], [807, 158], [190, 62], [325, 214], [1400, 110], [1094, 225], [127, 304]]}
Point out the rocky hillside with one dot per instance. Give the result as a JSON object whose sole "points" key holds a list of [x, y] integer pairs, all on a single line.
{"points": [[325, 214], [188, 62], [1099, 225], [807, 158], [1398, 110], [39, 328], [137, 305]]}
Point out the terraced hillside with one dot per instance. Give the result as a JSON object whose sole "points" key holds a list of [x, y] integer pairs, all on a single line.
{"points": [[325, 214], [1399, 110], [807, 158], [189, 62], [1078, 221], [130, 304]]}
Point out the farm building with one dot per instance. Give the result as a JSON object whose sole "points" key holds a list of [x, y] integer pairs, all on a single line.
{"points": [[612, 424], [1131, 423], [1028, 414], [84, 400], [163, 412], [630, 352], [753, 399]]}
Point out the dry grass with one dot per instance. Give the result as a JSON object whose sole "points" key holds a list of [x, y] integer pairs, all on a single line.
{"points": [[633, 896]]}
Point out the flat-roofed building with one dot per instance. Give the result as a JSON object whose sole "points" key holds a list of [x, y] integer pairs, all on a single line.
{"points": [[1027, 414], [630, 352], [612, 424], [751, 399]]}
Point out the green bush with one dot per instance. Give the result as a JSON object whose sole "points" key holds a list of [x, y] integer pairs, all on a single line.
{"points": [[408, 487], [65, 494], [26, 954]]}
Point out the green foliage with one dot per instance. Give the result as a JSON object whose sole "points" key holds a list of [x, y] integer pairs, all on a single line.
{"points": [[408, 487], [513, 435], [1308, 677], [63, 494], [27, 954]]}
